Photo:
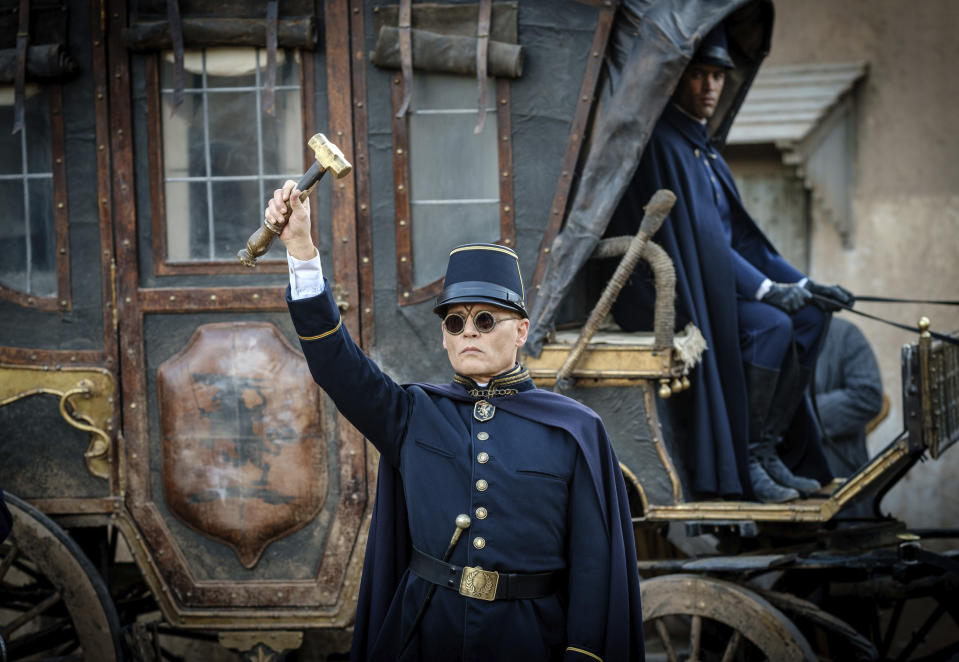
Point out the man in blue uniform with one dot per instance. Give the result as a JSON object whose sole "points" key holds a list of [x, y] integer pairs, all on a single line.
{"points": [[752, 306], [546, 569]]}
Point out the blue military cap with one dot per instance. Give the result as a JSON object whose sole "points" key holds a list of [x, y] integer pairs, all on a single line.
{"points": [[714, 50], [482, 272]]}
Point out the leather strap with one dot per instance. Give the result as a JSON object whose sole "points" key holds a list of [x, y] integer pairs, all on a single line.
{"points": [[406, 54], [511, 586], [269, 95], [176, 38], [20, 76], [482, 45]]}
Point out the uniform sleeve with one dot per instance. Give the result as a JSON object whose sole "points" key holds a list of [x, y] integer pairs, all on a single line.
{"points": [[375, 404], [588, 558], [748, 277]]}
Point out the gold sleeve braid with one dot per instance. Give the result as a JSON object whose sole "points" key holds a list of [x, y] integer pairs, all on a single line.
{"points": [[573, 649], [324, 334]]}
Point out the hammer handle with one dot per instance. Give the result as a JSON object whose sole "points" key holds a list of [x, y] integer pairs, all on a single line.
{"points": [[261, 240]]}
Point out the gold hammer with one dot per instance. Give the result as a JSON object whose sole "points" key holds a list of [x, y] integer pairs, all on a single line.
{"points": [[328, 157]]}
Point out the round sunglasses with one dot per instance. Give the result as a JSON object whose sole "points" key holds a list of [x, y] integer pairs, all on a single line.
{"points": [[483, 320]]}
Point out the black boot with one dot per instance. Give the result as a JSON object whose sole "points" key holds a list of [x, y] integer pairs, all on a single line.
{"points": [[761, 386], [789, 393]]}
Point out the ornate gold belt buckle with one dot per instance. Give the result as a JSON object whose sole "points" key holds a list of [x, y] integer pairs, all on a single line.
{"points": [[479, 583]]}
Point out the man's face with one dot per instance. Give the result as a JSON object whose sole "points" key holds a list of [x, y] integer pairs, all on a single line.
{"points": [[699, 89], [482, 356]]}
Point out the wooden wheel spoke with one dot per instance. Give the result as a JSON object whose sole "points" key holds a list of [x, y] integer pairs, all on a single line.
{"points": [[732, 646], [695, 637], [31, 614], [7, 560], [664, 637]]}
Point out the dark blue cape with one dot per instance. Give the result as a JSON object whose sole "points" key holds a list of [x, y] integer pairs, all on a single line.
{"points": [[716, 432], [388, 545]]}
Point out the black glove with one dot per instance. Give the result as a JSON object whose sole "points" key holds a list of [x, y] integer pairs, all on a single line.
{"points": [[831, 297], [787, 296]]}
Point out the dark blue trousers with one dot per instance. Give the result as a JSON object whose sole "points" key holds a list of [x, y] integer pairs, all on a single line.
{"points": [[766, 332]]}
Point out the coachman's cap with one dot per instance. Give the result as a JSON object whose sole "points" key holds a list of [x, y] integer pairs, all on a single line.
{"points": [[713, 49], [487, 273]]}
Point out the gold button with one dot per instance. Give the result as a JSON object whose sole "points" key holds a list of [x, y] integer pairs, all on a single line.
{"points": [[482, 485], [479, 543], [483, 436], [481, 513], [482, 458]]}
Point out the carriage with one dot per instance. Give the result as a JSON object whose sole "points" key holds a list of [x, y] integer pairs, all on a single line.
{"points": [[176, 480]]}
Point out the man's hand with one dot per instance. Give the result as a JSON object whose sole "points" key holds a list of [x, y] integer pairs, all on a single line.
{"points": [[296, 233], [789, 297], [831, 297]]}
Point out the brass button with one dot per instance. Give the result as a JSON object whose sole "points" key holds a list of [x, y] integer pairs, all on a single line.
{"points": [[483, 436], [482, 458], [479, 543], [482, 485], [481, 513]]}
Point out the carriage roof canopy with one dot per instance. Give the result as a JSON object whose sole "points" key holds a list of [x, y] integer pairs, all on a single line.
{"points": [[652, 42]]}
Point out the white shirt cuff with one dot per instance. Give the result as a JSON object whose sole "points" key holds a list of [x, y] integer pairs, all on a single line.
{"points": [[306, 277], [763, 289]]}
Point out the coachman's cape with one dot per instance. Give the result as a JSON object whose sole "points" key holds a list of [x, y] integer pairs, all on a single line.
{"points": [[717, 429], [388, 546]]}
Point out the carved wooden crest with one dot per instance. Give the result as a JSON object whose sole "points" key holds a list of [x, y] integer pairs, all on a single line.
{"points": [[243, 443]]}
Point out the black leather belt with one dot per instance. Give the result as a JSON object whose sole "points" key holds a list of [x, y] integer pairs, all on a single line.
{"points": [[474, 582]]}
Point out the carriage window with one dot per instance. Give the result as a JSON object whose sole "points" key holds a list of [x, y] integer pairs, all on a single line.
{"points": [[27, 224], [459, 182], [222, 154]]}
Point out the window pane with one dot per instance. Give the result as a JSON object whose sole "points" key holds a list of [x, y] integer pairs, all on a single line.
{"points": [[233, 205], [37, 118], [233, 145], [187, 229], [193, 70], [221, 143], [448, 161], [457, 224], [43, 239], [13, 266], [11, 146], [283, 136], [440, 91], [184, 145]]}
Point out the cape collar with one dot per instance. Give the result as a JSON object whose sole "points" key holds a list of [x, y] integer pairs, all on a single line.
{"points": [[689, 127], [510, 382]]}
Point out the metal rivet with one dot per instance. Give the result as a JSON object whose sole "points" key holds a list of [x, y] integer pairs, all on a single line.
{"points": [[212, 297], [365, 260]]}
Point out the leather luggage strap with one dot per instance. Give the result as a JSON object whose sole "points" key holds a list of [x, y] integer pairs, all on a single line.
{"points": [[474, 582]]}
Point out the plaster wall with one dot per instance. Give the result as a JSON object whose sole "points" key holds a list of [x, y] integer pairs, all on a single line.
{"points": [[905, 196]]}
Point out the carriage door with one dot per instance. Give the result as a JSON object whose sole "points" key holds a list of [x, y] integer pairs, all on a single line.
{"points": [[245, 494]]}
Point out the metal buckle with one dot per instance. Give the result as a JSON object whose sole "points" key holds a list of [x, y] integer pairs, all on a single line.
{"points": [[479, 583]]}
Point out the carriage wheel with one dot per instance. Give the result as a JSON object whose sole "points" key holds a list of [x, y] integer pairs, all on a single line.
{"points": [[53, 604], [699, 619]]}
